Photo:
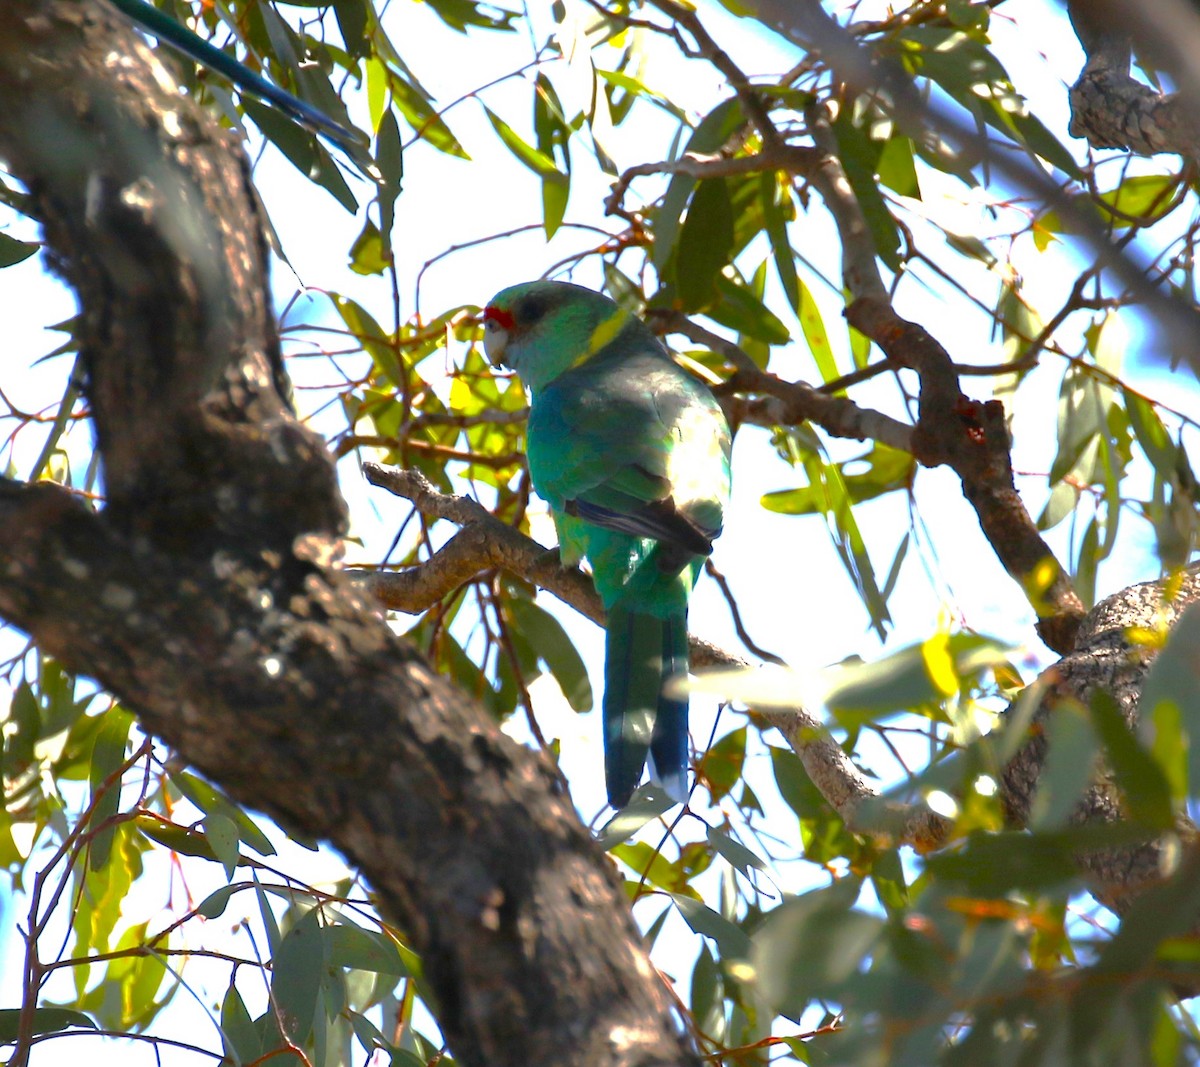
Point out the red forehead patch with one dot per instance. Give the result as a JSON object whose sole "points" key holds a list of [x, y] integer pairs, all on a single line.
{"points": [[499, 316]]}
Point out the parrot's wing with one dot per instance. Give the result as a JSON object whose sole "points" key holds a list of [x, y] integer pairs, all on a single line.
{"points": [[600, 448]]}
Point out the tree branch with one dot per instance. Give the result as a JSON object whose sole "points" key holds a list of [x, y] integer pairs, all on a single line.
{"points": [[1112, 110], [972, 439]]}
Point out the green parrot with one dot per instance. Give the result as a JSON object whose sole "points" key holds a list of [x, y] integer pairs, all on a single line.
{"points": [[632, 455]]}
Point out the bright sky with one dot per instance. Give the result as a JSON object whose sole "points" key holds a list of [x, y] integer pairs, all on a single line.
{"points": [[785, 574]]}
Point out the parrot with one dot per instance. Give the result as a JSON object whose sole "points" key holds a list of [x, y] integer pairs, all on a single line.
{"points": [[161, 26], [632, 455]]}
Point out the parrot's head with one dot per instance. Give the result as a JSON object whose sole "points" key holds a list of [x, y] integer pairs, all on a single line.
{"points": [[541, 329]]}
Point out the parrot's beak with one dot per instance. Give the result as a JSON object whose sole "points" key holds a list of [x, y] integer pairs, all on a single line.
{"points": [[495, 341]]}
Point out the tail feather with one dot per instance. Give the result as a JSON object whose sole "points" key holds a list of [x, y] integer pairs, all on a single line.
{"points": [[669, 742], [632, 682], [642, 651]]}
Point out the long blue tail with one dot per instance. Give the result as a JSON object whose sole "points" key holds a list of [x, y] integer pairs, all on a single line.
{"points": [[167, 30], [641, 652]]}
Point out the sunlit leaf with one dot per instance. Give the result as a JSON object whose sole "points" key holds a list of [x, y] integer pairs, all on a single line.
{"points": [[721, 765], [108, 753], [647, 802]]}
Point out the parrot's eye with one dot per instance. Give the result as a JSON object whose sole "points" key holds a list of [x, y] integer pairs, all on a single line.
{"points": [[531, 310]]}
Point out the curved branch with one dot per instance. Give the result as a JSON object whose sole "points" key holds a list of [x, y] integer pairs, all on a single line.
{"points": [[972, 439]]}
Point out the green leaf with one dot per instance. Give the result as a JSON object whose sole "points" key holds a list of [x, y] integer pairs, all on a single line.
{"points": [[352, 23], [461, 14], [1072, 748], [1081, 419], [734, 852], [795, 786], [13, 251], [553, 136], [714, 130], [704, 1000], [270, 925], [538, 162], [131, 983], [1144, 198], [302, 150], [742, 310], [1170, 705], [364, 950], [296, 972], [368, 254], [45, 1021], [426, 123], [889, 469], [550, 641], [815, 334], [210, 800], [223, 836], [214, 905], [650, 865], [994, 864], [368, 333], [721, 765], [811, 945], [647, 803], [869, 691], [731, 940], [1035, 135], [776, 221], [181, 839], [108, 753], [1147, 792], [1151, 434], [705, 244], [831, 496], [389, 158], [104, 891], [22, 729], [241, 1038], [896, 168], [860, 156]]}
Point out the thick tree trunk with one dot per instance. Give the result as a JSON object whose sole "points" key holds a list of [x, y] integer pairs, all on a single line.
{"points": [[204, 593]]}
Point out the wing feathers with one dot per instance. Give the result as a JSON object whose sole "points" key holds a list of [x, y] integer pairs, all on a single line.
{"points": [[659, 519]]}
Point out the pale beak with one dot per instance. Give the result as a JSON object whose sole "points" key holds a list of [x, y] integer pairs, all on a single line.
{"points": [[495, 341]]}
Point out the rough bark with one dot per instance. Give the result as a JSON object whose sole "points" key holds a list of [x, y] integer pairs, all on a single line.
{"points": [[1113, 110], [204, 594], [1106, 660]]}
